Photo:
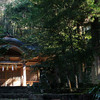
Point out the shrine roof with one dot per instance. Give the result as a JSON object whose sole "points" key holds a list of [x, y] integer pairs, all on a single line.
{"points": [[19, 43], [13, 40]]}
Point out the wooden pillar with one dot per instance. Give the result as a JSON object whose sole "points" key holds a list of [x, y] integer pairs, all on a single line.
{"points": [[12, 78], [21, 76], [5, 78], [24, 75]]}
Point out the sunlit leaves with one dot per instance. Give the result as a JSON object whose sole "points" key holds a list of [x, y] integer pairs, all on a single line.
{"points": [[59, 27]]}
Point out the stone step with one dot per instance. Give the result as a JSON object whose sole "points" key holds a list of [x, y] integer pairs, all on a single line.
{"points": [[14, 92], [14, 99], [13, 95], [12, 89]]}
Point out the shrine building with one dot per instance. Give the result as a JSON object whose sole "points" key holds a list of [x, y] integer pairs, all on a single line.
{"points": [[14, 70]]}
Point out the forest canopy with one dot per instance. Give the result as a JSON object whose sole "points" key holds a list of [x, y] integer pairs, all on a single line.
{"points": [[65, 30]]}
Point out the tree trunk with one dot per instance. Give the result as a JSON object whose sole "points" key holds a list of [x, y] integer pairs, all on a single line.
{"points": [[73, 61], [95, 32], [76, 79], [58, 80], [69, 84]]}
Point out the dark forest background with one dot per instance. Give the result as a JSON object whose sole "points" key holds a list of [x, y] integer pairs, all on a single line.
{"points": [[65, 31]]}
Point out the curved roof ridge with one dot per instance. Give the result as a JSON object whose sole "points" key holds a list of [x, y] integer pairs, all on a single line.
{"points": [[14, 41]]}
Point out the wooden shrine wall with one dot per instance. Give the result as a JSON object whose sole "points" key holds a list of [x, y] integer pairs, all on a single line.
{"points": [[10, 78], [14, 78], [32, 76]]}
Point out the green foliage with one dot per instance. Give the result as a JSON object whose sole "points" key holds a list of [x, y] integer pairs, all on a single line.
{"points": [[61, 38], [60, 28], [1, 29]]}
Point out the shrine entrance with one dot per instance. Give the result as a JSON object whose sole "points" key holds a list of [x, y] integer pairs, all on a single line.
{"points": [[14, 70], [11, 75], [10, 78], [17, 75]]}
